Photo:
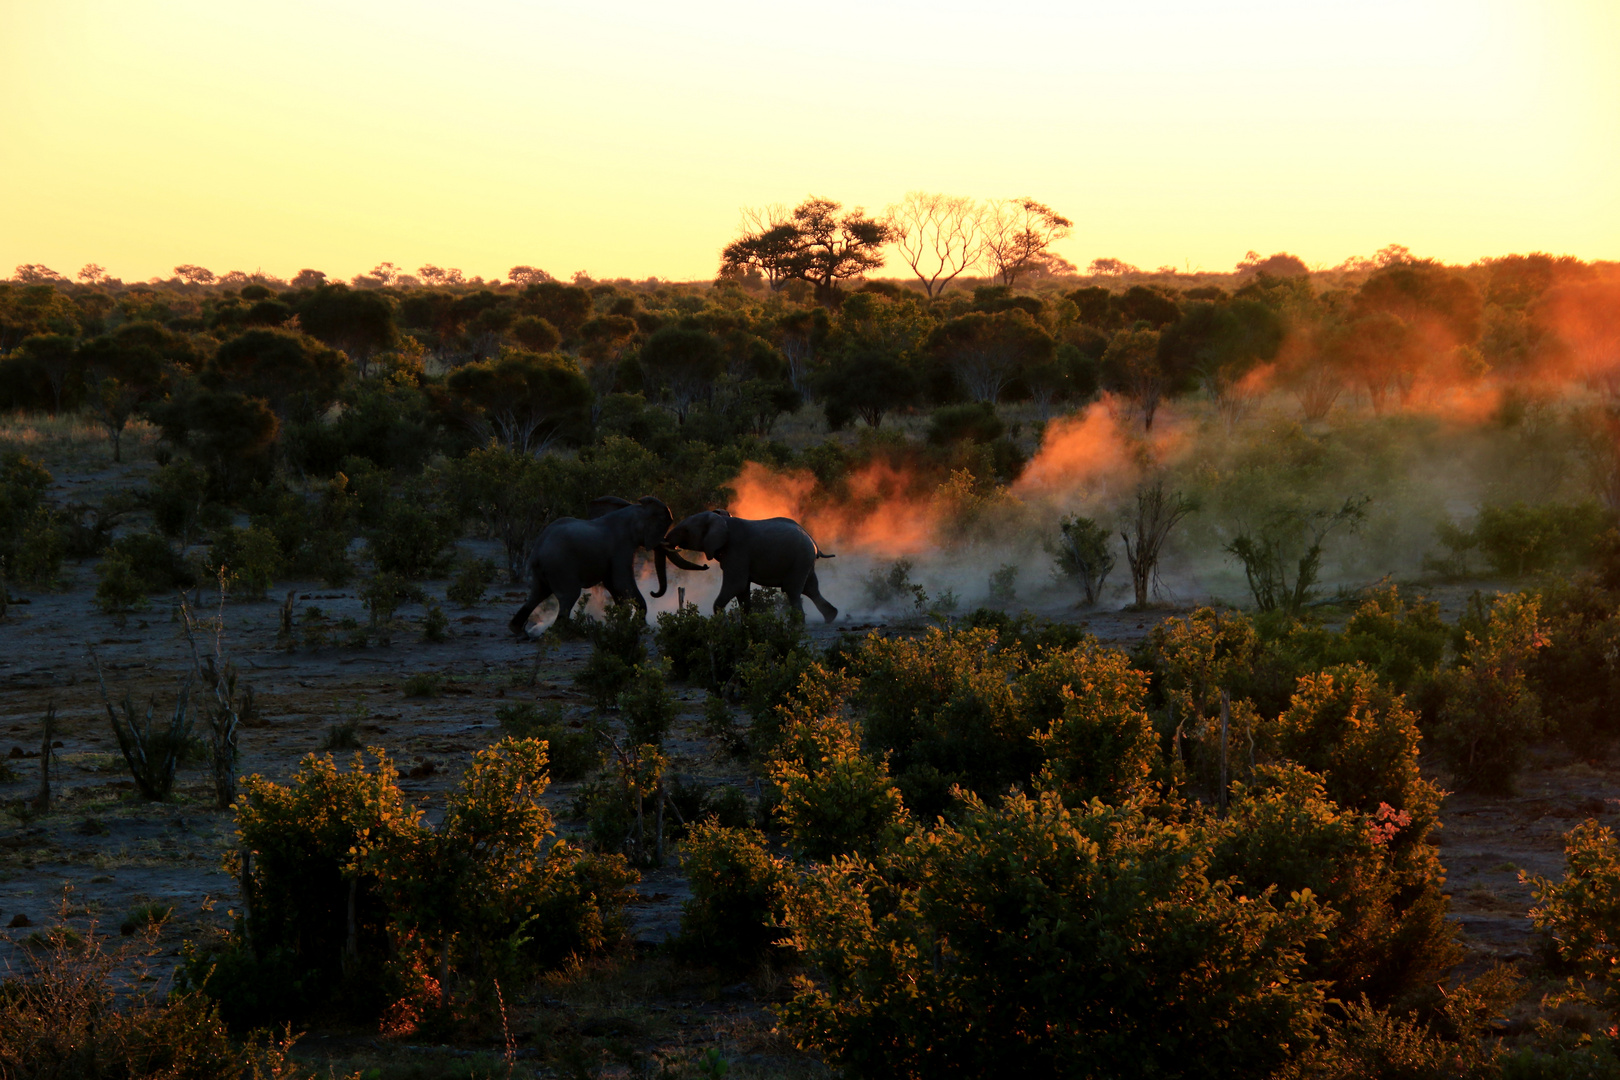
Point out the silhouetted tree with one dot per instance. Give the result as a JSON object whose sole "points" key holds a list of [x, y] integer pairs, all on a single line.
{"points": [[987, 352], [297, 375], [527, 400], [358, 321], [685, 360], [814, 244], [938, 236], [1017, 233]]}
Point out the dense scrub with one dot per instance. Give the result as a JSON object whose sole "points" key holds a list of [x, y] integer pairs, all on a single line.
{"points": [[987, 844]]}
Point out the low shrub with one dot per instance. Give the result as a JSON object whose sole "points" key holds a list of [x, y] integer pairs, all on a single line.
{"points": [[353, 902], [423, 685], [343, 735], [78, 1015], [1518, 539], [32, 543], [835, 798], [571, 754], [1490, 716], [710, 651], [435, 624], [1581, 913], [153, 562], [251, 558], [383, 593], [647, 705], [739, 891], [152, 754], [471, 581], [616, 652], [413, 538], [121, 589], [1083, 553], [1009, 916]]}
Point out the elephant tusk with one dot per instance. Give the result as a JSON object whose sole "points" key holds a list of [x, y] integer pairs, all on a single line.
{"points": [[685, 564]]}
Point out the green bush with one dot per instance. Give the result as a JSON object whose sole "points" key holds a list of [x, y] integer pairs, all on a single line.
{"points": [[1490, 716], [1099, 742], [1517, 539], [1038, 940], [971, 422], [121, 588], [711, 651], [835, 799], [179, 499], [1003, 585], [1358, 737], [1581, 913], [1575, 675], [353, 902], [153, 562], [383, 593], [423, 685], [945, 708], [31, 539], [313, 534], [736, 912], [77, 1014], [251, 558], [616, 652], [1083, 552], [413, 539], [768, 680], [435, 624], [470, 583], [571, 755], [647, 705]]}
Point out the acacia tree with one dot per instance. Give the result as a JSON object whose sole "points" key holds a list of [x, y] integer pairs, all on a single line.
{"points": [[938, 236], [1223, 343], [813, 244], [126, 369], [1017, 233], [1131, 367], [987, 352], [686, 360], [524, 399]]}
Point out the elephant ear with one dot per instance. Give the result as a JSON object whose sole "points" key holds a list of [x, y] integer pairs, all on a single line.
{"points": [[605, 504], [716, 533]]}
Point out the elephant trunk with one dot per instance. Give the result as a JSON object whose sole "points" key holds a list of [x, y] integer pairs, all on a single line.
{"points": [[658, 565]]}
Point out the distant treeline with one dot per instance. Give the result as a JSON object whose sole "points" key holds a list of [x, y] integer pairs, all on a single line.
{"points": [[536, 362]]}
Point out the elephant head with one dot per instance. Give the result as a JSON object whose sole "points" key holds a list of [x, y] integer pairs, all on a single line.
{"points": [[653, 519], [708, 532]]}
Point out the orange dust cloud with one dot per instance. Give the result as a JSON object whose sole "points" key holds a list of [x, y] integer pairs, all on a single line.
{"points": [[889, 511], [1078, 453], [1584, 320]]}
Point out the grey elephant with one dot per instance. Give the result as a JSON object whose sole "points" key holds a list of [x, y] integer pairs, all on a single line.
{"points": [[774, 552], [573, 554]]}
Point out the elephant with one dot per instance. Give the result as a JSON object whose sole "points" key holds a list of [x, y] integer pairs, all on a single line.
{"points": [[775, 552], [572, 554]]}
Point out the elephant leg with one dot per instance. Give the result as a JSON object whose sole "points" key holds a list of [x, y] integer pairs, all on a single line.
{"points": [[537, 596], [629, 590], [812, 589], [728, 593], [567, 597], [795, 603]]}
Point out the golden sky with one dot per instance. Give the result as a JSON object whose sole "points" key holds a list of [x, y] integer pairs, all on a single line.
{"points": [[622, 138]]}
